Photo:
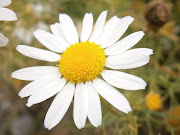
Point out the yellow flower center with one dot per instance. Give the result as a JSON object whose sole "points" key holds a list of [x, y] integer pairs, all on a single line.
{"points": [[82, 62]]}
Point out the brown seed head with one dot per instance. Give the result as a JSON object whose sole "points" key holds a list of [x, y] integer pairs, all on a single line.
{"points": [[157, 14]]}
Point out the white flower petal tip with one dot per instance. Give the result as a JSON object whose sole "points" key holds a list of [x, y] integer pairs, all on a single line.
{"points": [[113, 30], [94, 105], [150, 51], [59, 106], [20, 94], [123, 80], [7, 15], [80, 111], [3, 40], [49, 41], [69, 29], [87, 27], [37, 53], [28, 104], [45, 92], [98, 26], [113, 96], [128, 19], [129, 59], [4, 3], [125, 44], [35, 73], [46, 83], [58, 33]]}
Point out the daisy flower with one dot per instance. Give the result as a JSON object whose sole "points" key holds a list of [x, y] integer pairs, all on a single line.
{"points": [[82, 60], [5, 15]]}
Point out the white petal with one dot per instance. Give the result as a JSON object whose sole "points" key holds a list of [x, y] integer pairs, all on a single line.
{"points": [[4, 3], [3, 40], [7, 15], [110, 36], [37, 84], [123, 80], [80, 105], [34, 73], [69, 29], [49, 41], [57, 31], [37, 53], [87, 27], [129, 59], [98, 27], [113, 96], [124, 44], [46, 91], [94, 105], [108, 26], [141, 51], [111, 22], [59, 106]]}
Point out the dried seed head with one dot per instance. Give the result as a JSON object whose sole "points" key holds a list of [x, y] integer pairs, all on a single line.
{"points": [[157, 14]]}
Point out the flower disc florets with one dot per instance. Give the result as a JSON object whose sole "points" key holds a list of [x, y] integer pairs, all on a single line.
{"points": [[82, 62]]}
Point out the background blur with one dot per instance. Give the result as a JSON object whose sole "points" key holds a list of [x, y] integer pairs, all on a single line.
{"points": [[155, 110]]}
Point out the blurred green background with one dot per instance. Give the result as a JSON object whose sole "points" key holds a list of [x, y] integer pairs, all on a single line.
{"points": [[162, 73]]}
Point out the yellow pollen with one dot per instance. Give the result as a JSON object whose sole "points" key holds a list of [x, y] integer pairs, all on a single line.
{"points": [[82, 62]]}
